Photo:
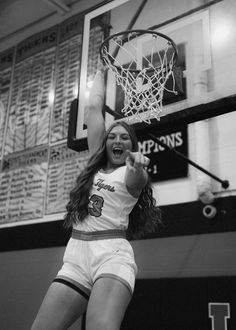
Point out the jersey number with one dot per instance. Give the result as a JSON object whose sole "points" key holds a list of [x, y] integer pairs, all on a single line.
{"points": [[95, 205]]}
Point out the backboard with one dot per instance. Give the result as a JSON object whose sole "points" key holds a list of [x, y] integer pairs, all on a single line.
{"points": [[187, 24]]}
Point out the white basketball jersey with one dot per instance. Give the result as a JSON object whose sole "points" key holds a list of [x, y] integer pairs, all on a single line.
{"points": [[110, 202]]}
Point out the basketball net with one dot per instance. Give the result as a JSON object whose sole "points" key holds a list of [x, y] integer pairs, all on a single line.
{"points": [[144, 76]]}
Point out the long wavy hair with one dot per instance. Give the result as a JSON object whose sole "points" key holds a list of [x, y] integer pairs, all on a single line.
{"points": [[145, 216]]}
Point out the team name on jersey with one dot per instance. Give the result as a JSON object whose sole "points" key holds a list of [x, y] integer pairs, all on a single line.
{"points": [[101, 185]]}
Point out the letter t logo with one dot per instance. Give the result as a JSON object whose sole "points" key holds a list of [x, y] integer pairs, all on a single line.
{"points": [[219, 313]]}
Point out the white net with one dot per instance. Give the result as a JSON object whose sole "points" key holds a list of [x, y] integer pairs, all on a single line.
{"points": [[142, 63]]}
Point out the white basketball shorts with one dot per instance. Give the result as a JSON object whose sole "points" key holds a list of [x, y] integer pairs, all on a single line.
{"points": [[93, 255]]}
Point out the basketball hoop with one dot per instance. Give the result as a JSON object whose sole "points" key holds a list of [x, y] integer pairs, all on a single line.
{"points": [[142, 61]]}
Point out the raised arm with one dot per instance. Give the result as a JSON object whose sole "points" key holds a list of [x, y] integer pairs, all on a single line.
{"points": [[95, 119]]}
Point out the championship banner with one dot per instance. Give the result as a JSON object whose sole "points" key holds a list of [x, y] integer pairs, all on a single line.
{"points": [[32, 88], [64, 167], [67, 75], [164, 164], [6, 64], [23, 184]]}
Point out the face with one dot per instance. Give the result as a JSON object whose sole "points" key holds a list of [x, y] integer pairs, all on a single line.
{"points": [[118, 141]]}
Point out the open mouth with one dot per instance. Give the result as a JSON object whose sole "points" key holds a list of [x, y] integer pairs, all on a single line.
{"points": [[117, 152]]}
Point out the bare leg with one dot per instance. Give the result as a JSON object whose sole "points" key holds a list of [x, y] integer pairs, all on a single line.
{"points": [[61, 307], [107, 305]]}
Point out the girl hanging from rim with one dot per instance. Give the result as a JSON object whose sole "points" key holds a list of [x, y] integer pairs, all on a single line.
{"points": [[112, 201]]}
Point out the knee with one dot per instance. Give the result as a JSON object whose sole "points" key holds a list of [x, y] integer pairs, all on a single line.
{"points": [[103, 322]]}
